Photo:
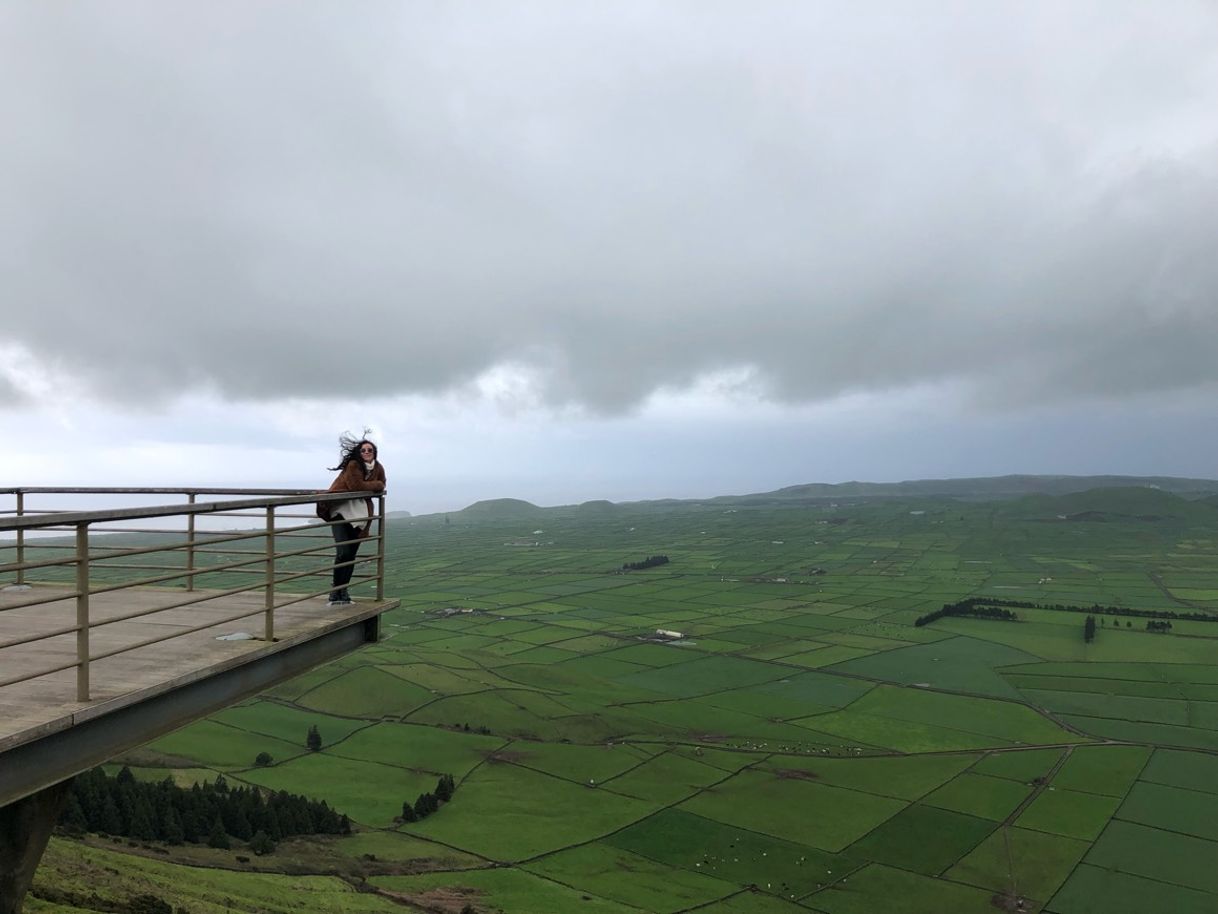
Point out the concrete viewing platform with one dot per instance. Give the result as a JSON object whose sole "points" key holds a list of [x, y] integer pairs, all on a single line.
{"points": [[191, 675], [123, 623], [165, 619]]}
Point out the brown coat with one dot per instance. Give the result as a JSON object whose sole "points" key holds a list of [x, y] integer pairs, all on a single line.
{"points": [[353, 479]]}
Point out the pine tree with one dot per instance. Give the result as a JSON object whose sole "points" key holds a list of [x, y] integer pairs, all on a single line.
{"points": [[171, 830], [73, 818], [141, 825], [422, 806], [218, 838], [313, 740], [111, 823], [261, 844]]}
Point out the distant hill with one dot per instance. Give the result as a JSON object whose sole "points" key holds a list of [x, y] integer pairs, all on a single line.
{"points": [[1198, 492], [598, 506], [982, 488], [1114, 503], [501, 507]]}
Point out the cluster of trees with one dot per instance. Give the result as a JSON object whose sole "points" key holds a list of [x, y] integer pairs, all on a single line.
{"points": [[427, 803], [210, 813], [996, 608], [1094, 609], [972, 608], [650, 562]]}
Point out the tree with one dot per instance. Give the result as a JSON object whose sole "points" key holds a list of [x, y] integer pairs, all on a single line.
{"points": [[218, 837], [313, 740], [261, 843], [73, 819], [445, 787], [110, 822], [141, 825], [1089, 629], [171, 826], [264, 758], [425, 805], [408, 812]]}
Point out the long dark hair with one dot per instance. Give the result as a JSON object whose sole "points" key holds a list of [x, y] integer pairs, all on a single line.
{"points": [[348, 449]]}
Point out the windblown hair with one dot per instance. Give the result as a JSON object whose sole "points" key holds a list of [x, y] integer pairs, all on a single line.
{"points": [[348, 449]]}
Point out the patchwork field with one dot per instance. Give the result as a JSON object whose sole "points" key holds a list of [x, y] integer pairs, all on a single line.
{"points": [[794, 743]]}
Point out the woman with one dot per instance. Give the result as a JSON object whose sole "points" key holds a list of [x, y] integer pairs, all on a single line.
{"points": [[350, 521]]}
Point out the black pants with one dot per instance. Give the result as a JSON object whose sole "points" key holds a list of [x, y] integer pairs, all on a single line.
{"points": [[344, 552]]}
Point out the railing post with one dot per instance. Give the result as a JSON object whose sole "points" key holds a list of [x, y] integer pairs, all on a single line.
{"points": [[269, 600], [20, 540], [380, 548], [82, 611], [190, 544]]}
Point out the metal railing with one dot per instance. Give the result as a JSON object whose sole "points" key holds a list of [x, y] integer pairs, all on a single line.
{"points": [[259, 546]]}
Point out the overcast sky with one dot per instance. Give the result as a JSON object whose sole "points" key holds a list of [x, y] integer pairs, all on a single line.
{"points": [[571, 250]]}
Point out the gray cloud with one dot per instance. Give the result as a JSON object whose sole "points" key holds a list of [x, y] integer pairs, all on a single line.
{"points": [[10, 396], [285, 200]]}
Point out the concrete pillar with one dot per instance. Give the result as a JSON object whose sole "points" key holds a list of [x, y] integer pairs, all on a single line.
{"points": [[25, 828]]}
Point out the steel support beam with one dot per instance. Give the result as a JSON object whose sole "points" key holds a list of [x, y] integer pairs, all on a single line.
{"points": [[25, 828]]}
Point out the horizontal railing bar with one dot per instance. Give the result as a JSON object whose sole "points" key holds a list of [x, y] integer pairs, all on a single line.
{"points": [[84, 517], [116, 552], [46, 563], [147, 550], [199, 551], [210, 624], [151, 566], [239, 566], [39, 602], [146, 490], [358, 579], [47, 672], [211, 595], [313, 572], [161, 579], [42, 636], [217, 595], [255, 611]]}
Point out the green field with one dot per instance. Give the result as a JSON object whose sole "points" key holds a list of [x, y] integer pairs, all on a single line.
{"points": [[801, 747]]}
